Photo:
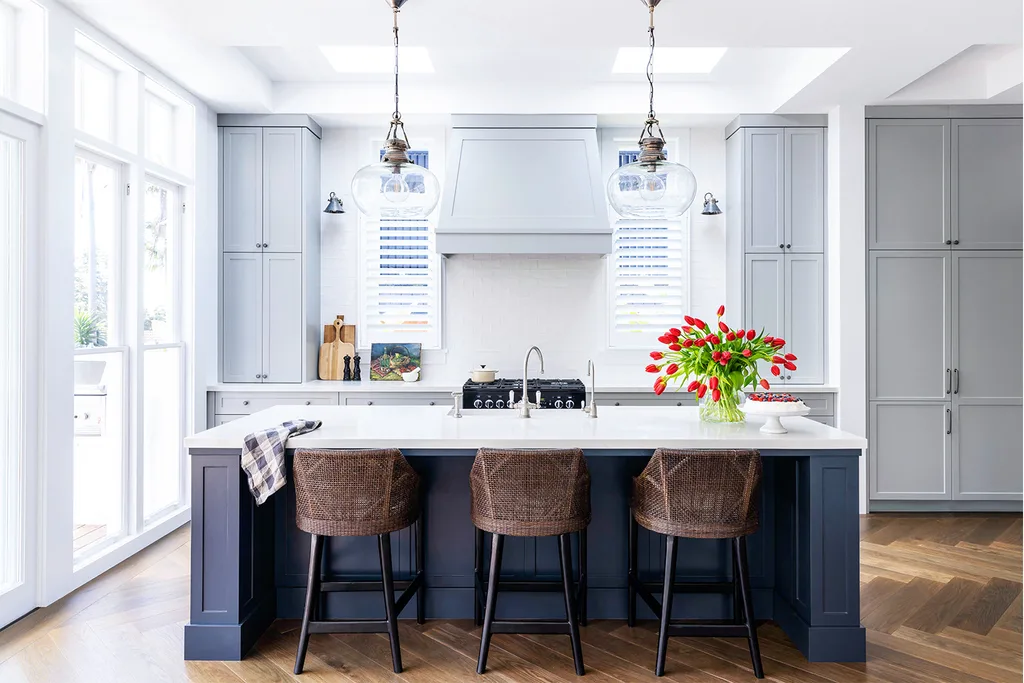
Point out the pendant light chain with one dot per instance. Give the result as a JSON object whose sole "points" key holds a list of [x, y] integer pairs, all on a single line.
{"points": [[650, 64], [397, 115], [648, 133], [397, 126]]}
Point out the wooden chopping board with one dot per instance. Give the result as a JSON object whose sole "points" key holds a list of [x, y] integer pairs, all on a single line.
{"points": [[332, 353], [348, 332]]}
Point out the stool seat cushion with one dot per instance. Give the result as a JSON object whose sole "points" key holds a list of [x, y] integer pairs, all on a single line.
{"points": [[530, 492], [354, 492], [699, 493]]}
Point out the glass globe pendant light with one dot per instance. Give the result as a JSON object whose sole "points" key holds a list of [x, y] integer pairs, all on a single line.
{"points": [[395, 188], [651, 187]]}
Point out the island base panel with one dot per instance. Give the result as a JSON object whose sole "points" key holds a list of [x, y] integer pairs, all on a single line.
{"points": [[808, 520]]}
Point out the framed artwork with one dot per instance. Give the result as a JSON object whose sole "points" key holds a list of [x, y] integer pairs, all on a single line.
{"points": [[388, 362]]}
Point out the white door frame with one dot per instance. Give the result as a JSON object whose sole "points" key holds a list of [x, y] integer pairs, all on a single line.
{"points": [[24, 597]]}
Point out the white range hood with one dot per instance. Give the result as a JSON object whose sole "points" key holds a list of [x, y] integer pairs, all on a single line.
{"points": [[523, 184]]}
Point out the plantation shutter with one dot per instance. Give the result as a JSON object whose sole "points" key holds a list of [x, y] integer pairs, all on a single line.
{"points": [[400, 278], [648, 276]]}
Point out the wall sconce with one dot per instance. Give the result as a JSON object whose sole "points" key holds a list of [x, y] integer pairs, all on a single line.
{"points": [[334, 205], [710, 206]]}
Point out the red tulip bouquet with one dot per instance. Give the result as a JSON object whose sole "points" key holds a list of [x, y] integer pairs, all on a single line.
{"points": [[719, 364]]}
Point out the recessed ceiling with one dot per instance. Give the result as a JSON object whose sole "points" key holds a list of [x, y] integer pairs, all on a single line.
{"points": [[667, 60], [538, 56], [376, 59]]}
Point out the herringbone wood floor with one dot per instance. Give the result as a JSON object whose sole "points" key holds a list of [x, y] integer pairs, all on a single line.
{"points": [[941, 599]]}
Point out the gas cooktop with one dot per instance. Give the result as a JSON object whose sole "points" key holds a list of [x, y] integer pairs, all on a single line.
{"points": [[554, 393]]}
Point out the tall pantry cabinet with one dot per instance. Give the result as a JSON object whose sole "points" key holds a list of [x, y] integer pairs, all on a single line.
{"points": [[944, 233], [775, 216], [270, 248]]}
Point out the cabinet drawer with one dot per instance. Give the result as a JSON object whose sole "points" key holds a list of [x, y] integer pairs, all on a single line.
{"points": [[823, 419], [219, 420], [247, 403], [820, 404], [408, 400]]}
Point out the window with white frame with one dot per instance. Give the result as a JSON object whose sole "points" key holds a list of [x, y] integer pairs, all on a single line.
{"points": [[95, 96], [648, 271], [8, 48], [400, 282], [22, 52]]}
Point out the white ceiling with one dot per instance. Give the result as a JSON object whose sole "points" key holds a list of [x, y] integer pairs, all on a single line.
{"points": [[542, 56]]}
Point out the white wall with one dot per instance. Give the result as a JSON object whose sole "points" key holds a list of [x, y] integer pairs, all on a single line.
{"points": [[498, 306]]}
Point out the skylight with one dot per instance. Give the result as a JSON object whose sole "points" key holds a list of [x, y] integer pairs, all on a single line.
{"points": [[668, 60], [373, 59]]}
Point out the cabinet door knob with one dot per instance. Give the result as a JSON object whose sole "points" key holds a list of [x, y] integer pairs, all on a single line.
{"points": [[369, 403], [257, 245], [616, 403], [264, 245], [245, 403], [789, 376], [949, 241], [258, 376], [264, 376], [679, 403], [307, 403], [956, 241], [431, 403], [781, 246], [788, 246]]}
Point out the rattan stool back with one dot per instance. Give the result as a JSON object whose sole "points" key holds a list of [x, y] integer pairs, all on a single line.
{"points": [[699, 494], [530, 492], [354, 492]]}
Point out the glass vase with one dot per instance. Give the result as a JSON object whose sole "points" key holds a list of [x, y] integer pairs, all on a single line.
{"points": [[725, 409]]}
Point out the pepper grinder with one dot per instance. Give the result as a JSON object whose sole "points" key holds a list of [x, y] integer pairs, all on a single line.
{"points": [[348, 370], [356, 371]]}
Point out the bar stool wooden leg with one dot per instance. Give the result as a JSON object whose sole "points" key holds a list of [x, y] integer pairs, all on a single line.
{"points": [[666, 605], [478, 577], [583, 578], [632, 573], [565, 560], [748, 607], [497, 543], [384, 541], [421, 593], [312, 596]]}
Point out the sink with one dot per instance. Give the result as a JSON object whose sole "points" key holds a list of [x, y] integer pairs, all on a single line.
{"points": [[514, 414]]}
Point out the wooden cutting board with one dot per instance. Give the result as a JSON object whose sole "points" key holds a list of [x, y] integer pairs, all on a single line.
{"points": [[348, 332], [332, 353]]}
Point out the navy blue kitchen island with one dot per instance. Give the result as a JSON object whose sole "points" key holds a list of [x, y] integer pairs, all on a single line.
{"points": [[250, 563]]}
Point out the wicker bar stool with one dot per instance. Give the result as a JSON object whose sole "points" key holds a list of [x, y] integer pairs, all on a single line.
{"points": [[697, 494], [530, 493], [357, 493]]}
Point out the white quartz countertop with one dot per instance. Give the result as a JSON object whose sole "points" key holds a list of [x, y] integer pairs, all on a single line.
{"points": [[430, 427]]}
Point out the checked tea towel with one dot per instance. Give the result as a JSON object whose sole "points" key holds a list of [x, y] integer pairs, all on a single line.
{"points": [[263, 456]]}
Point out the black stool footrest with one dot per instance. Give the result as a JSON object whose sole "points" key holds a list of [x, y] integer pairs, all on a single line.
{"points": [[531, 626], [349, 626]]}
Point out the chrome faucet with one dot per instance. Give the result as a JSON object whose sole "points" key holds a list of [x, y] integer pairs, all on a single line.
{"points": [[591, 408], [524, 410]]}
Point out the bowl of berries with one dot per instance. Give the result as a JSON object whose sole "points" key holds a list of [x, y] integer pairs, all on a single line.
{"points": [[773, 406]]}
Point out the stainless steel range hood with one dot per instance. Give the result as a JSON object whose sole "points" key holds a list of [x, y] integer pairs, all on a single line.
{"points": [[523, 184]]}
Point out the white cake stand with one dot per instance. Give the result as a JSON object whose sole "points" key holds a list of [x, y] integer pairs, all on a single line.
{"points": [[772, 412]]}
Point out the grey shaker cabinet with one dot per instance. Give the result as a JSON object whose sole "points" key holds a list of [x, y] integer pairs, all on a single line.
{"points": [[270, 225], [986, 182], [909, 325], [763, 181], [242, 317], [764, 300], [282, 315], [282, 189], [241, 189], [804, 190], [804, 314], [908, 183], [910, 450], [987, 435]]}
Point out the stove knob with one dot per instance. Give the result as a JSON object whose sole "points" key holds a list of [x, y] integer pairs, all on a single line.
{"points": [[499, 403], [488, 403], [478, 403], [558, 403], [570, 404]]}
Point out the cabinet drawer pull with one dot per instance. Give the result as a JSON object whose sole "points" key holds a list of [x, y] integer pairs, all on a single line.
{"points": [[308, 402], [369, 403], [245, 403], [679, 403], [956, 380], [431, 403], [949, 421], [949, 381], [616, 403]]}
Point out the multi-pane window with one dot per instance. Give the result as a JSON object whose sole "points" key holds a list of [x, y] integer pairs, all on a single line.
{"points": [[22, 50], [648, 275], [98, 216], [399, 294]]}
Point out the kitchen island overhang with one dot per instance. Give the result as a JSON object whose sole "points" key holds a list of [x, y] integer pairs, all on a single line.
{"points": [[249, 563]]}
